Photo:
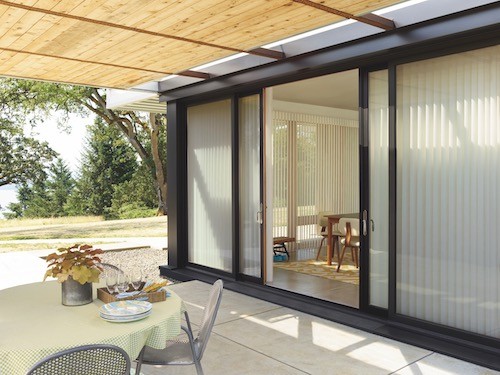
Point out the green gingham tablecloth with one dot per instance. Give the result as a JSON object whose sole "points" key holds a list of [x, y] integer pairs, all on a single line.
{"points": [[35, 324]]}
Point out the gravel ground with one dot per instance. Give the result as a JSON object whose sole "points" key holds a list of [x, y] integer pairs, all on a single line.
{"points": [[147, 259]]}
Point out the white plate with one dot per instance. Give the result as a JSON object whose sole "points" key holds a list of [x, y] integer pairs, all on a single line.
{"points": [[125, 308], [112, 317], [127, 319]]}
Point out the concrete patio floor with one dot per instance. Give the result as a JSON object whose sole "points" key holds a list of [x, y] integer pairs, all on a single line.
{"points": [[257, 337]]}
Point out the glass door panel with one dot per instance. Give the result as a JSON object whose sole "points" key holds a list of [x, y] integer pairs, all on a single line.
{"points": [[251, 215], [378, 122], [210, 222]]}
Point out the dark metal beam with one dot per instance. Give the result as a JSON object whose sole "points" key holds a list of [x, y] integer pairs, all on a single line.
{"points": [[369, 18], [456, 30]]}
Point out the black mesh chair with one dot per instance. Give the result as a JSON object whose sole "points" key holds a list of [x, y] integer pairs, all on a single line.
{"points": [[186, 349], [85, 360]]}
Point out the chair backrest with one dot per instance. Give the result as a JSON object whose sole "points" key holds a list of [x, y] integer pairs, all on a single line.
{"points": [[88, 359], [322, 220], [209, 316], [354, 226]]}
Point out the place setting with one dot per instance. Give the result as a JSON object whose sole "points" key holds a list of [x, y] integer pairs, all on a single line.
{"points": [[128, 297], [125, 311]]}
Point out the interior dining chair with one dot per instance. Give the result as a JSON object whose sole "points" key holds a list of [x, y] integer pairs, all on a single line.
{"points": [[322, 229], [186, 349], [98, 359], [349, 229]]}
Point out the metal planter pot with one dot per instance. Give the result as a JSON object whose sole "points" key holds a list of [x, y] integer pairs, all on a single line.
{"points": [[76, 294]]}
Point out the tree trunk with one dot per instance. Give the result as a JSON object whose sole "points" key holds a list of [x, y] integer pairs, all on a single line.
{"points": [[161, 178]]}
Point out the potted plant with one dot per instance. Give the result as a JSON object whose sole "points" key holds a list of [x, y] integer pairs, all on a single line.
{"points": [[76, 267]]}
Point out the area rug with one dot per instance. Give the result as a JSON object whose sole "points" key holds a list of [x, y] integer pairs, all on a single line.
{"points": [[348, 272]]}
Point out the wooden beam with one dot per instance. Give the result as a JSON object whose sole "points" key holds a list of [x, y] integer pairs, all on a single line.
{"points": [[83, 61], [369, 18], [256, 51], [194, 74], [115, 25], [277, 55]]}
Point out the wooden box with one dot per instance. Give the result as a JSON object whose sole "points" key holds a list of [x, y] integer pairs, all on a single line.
{"points": [[106, 297]]}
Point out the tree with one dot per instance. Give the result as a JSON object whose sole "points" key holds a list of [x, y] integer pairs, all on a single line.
{"points": [[22, 159], [59, 187], [134, 198], [145, 133], [45, 197], [107, 160], [24, 196]]}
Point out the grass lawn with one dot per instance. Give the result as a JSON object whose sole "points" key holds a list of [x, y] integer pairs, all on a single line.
{"points": [[46, 230]]}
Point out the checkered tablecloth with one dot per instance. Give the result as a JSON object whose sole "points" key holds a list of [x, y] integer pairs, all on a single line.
{"points": [[34, 324]]}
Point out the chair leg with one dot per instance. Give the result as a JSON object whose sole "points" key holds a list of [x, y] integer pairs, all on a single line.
{"points": [[319, 248], [341, 258], [139, 362], [199, 369], [354, 255]]}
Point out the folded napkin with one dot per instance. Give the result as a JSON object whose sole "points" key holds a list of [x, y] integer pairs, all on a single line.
{"points": [[128, 294]]}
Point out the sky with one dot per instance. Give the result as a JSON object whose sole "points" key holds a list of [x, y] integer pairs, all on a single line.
{"points": [[68, 145]]}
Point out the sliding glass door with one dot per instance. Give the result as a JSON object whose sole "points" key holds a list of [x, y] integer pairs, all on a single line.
{"points": [[448, 157], [210, 195], [221, 234], [377, 220], [250, 185]]}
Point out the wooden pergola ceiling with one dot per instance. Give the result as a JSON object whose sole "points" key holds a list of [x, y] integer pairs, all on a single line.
{"points": [[123, 43]]}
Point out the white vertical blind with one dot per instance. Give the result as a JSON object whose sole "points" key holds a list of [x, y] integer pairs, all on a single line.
{"points": [[448, 155], [280, 178], [315, 169], [378, 121], [250, 199], [209, 185]]}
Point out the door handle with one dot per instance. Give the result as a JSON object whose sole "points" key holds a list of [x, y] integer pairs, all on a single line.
{"points": [[373, 225], [259, 215], [365, 218]]}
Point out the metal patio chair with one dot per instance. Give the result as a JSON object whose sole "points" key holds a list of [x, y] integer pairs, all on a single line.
{"points": [[98, 359], [186, 350]]}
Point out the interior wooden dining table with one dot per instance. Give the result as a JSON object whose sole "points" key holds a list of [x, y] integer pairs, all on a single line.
{"points": [[35, 324], [332, 220]]}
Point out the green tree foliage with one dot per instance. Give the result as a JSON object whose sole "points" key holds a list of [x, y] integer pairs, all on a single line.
{"points": [[146, 134], [24, 197], [107, 161], [134, 198], [59, 187], [45, 197], [22, 158]]}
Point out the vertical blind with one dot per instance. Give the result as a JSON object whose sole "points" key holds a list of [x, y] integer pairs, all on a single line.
{"points": [[448, 174], [315, 169], [250, 199], [378, 121], [210, 185]]}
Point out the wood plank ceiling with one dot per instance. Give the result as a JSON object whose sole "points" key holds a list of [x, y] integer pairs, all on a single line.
{"points": [[123, 43]]}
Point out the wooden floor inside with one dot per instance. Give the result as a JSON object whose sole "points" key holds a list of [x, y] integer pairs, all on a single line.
{"points": [[315, 286]]}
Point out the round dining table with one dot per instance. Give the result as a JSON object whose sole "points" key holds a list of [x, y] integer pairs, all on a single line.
{"points": [[34, 324]]}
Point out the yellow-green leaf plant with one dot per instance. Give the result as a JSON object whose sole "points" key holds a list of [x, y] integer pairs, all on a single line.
{"points": [[81, 262]]}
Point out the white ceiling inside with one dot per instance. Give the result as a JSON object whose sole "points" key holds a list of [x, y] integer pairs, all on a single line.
{"points": [[339, 90]]}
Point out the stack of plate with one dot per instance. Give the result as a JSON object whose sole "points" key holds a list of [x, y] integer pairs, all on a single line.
{"points": [[125, 311]]}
